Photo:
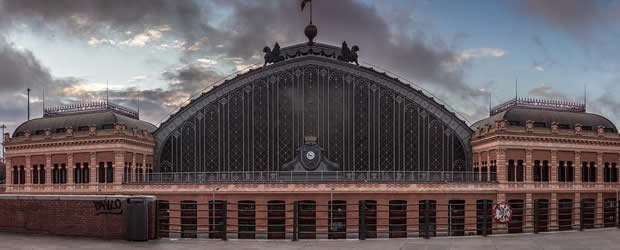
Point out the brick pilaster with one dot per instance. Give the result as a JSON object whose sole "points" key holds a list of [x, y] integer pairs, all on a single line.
{"points": [[577, 168], [598, 218], [600, 166], [9, 172], [553, 175], [553, 212], [70, 168], [132, 168], [93, 168], [529, 208], [48, 169], [528, 166], [501, 166], [577, 210], [28, 169], [118, 165]]}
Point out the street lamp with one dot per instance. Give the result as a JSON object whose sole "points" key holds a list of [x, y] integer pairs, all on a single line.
{"points": [[213, 208]]}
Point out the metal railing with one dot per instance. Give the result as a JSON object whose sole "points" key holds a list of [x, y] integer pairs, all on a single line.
{"points": [[368, 219], [317, 176]]}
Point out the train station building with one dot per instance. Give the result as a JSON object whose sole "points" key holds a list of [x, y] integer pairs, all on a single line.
{"points": [[312, 145]]}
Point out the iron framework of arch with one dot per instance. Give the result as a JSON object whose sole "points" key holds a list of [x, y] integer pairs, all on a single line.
{"points": [[373, 126]]}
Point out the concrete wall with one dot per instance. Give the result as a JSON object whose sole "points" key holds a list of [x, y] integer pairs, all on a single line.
{"points": [[70, 215]]}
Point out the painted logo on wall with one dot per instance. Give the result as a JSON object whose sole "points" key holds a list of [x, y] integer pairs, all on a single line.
{"points": [[502, 212]]}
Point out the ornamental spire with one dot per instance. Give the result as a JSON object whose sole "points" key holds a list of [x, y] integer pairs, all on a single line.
{"points": [[311, 29]]}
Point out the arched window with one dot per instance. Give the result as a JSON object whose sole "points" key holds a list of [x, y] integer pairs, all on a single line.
{"points": [[484, 171], [511, 170], [35, 174], [22, 175], [585, 172], [246, 219], [607, 173], [609, 212], [164, 218], [428, 219], [85, 173], [565, 214], [109, 173], [56, 174], [126, 173], [541, 214], [189, 219], [520, 171], [307, 219], [368, 209], [276, 219], [476, 172], [561, 171], [337, 219], [484, 210], [217, 215], [537, 171], [570, 171], [457, 217], [545, 171], [77, 173], [516, 224], [588, 207], [592, 172], [63, 174], [101, 172], [614, 172], [493, 170], [15, 174], [398, 218], [41, 174]]}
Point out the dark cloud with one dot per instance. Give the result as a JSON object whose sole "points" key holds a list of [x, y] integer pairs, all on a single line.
{"points": [[388, 42], [418, 56], [20, 69], [95, 16], [573, 16], [590, 23]]}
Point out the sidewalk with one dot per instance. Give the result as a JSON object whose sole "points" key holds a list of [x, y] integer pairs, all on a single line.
{"points": [[594, 239]]}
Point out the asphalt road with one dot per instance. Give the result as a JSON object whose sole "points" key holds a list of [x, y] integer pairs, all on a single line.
{"points": [[595, 239]]}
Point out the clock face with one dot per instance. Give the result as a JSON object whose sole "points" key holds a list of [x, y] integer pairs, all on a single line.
{"points": [[310, 155]]}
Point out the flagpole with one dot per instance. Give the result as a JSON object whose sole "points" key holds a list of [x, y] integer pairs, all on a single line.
{"points": [[310, 12]]}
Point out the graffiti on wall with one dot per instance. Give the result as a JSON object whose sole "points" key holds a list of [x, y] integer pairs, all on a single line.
{"points": [[108, 207]]}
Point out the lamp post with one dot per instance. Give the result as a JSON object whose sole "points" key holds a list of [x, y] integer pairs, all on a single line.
{"points": [[3, 127], [213, 209]]}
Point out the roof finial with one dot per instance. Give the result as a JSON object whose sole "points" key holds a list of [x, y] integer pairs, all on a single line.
{"points": [[311, 29], [585, 95]]}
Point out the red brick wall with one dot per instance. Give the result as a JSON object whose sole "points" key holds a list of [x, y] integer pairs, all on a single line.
{"points": [[65, 217]]}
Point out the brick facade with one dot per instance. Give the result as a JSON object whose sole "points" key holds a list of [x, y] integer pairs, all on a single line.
{"points": [[66, 215]]}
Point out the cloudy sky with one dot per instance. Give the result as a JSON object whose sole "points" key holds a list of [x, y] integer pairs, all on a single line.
{"points": [[157, 54]]}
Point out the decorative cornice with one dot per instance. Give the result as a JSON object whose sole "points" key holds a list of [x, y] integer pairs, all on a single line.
{"points": [[50, 143]]}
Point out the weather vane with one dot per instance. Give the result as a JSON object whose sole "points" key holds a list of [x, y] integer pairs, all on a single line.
{"points": [[311, 29]]}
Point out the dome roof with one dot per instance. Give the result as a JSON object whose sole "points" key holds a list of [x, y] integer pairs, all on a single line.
{"points": [[517, 114], [80, 121]]}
